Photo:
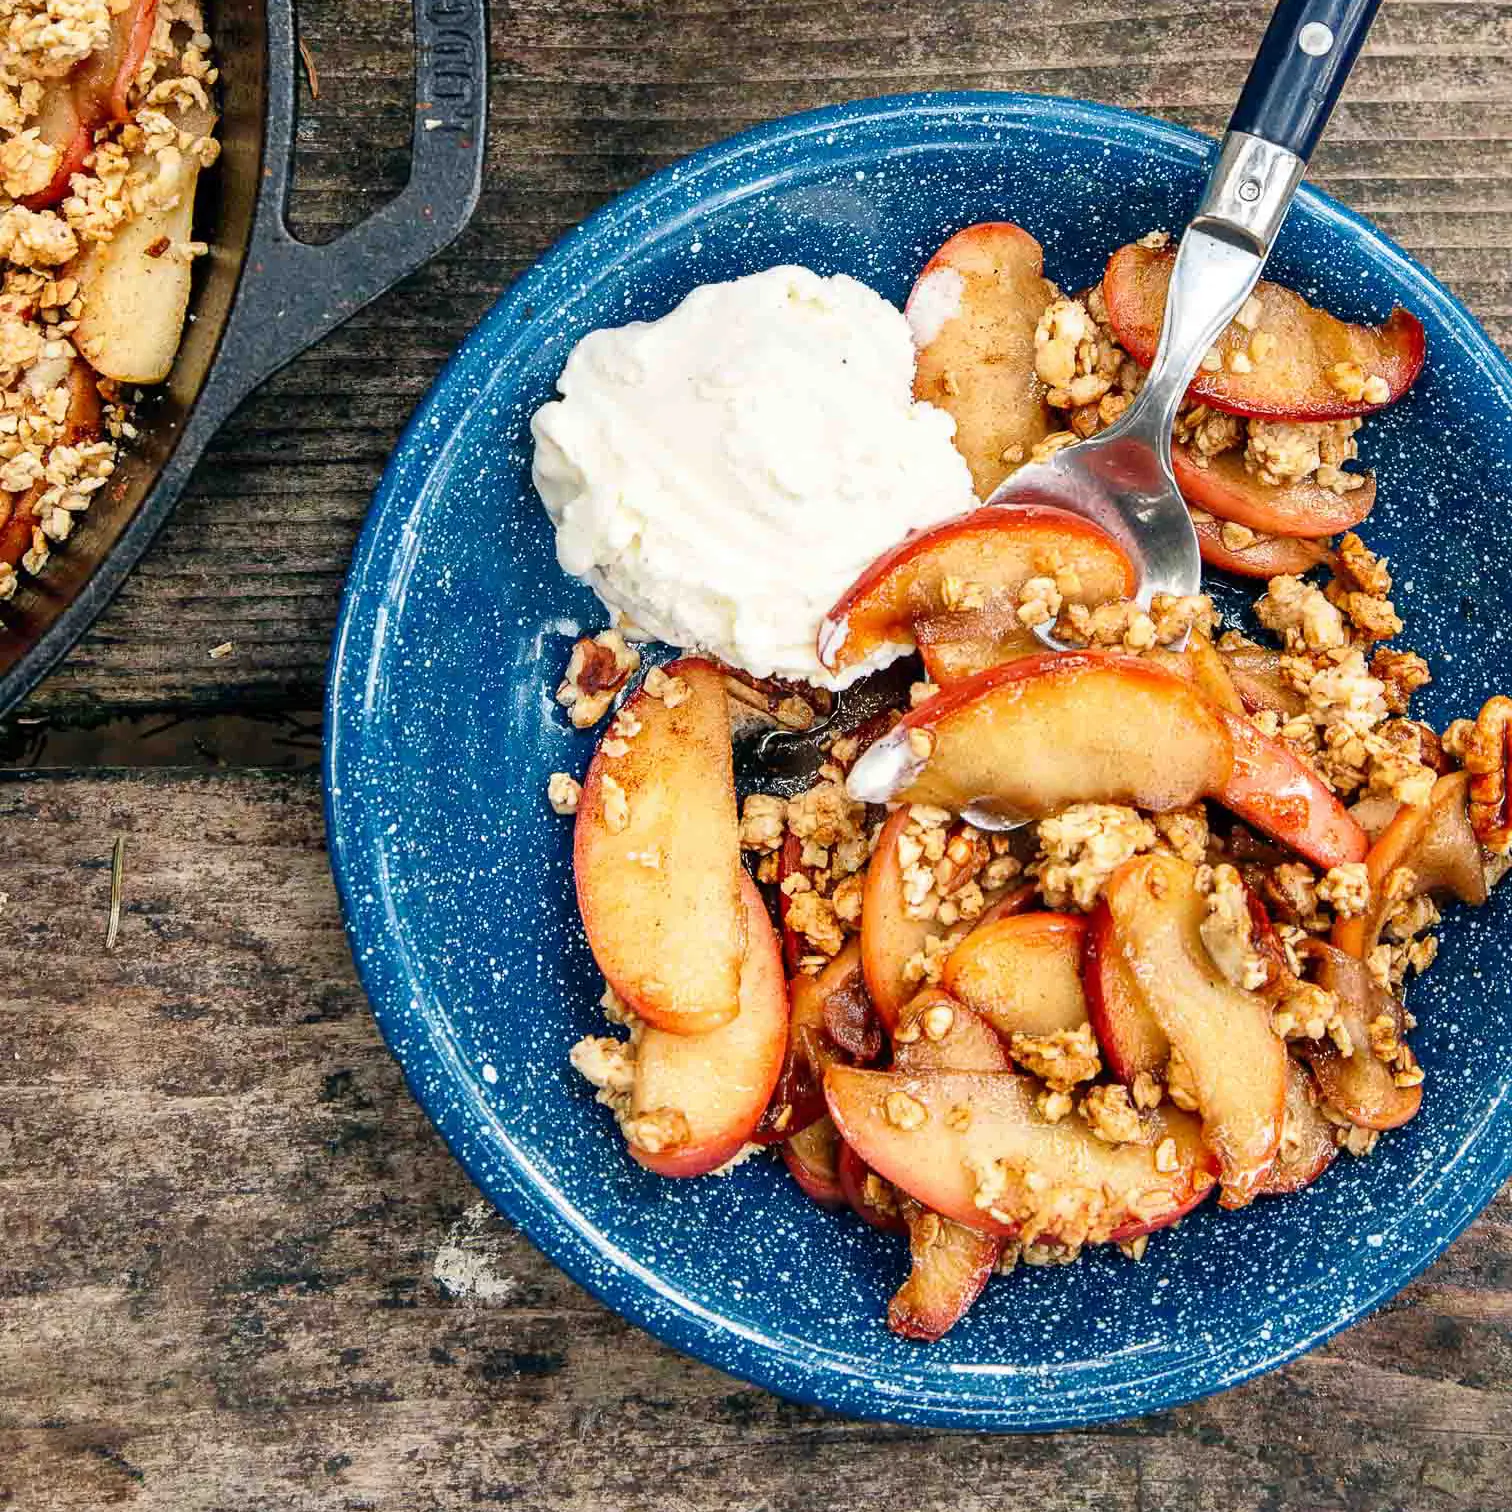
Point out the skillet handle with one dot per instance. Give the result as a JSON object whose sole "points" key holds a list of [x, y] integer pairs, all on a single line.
{"points": [[293, 293]]}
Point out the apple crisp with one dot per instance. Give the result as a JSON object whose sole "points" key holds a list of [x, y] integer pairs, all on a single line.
{"points": [[107, 117]]}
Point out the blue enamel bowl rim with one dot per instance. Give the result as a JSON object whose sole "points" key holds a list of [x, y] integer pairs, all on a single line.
{"points": [[613, 1278]]}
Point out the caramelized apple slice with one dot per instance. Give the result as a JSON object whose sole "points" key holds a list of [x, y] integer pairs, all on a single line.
{"points": [[1022, 974], [813, 1157], [973, 311], [990, 552], [704, 1094], [102, 82], [657, 857], [889, 937], [950, 1266], [797, 1099], [1435, 843], [1293, 382], [1269, 557], [1361, 1086], [1307, 1146], [936, 1136], [1237, 1064], [62, 128], [1256, 673], [937, 1033], [1202, 666], [18, 517], [1224, 488], [1132, 1041], [1273, 790], [870, 1197], [1029, 738]]}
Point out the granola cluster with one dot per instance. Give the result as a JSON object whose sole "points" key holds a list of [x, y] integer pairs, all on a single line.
{"points": [[48, 476]]}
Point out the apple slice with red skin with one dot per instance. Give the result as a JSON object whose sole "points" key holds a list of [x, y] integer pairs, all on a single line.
{"points": [[949, 1263], [1224, 487], [1202, 666], [789, 862], [669, 936], [1256, 673], [949, 1268], [997, 549], [1275, 791], [1132, 1041], [798, 1098], [82, 422], [1035, 735], [813, 1157], [973, 310], [1223, 1033], [890, 938], [970, 1120], [95, 94], [1361, 1086], [1269, 557], [1292, 382], [1307, 1146], [102, 82], [721, 1081], [1022, 974], [879, 1208], [1435, 842], [968, 1041]]}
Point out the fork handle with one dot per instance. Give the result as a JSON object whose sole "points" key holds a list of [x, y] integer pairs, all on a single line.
{"points": [[1298, 74]]}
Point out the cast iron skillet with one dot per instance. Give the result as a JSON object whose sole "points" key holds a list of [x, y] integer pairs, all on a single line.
{"points": [[261, 297]]}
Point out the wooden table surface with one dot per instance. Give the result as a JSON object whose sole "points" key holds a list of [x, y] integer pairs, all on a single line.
{"points": [[238, 1270]]}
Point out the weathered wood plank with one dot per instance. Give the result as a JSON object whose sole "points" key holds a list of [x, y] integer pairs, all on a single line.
{"points": [[589, 97], [238, 1271]]}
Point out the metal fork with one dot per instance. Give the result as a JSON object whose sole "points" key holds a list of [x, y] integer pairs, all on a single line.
{"points": [[1121, 478]]}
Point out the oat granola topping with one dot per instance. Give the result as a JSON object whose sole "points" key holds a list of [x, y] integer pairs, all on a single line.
{"points": [[563, 792]]}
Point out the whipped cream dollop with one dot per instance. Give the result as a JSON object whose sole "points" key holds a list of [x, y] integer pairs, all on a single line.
{"points": [[722, 475]]}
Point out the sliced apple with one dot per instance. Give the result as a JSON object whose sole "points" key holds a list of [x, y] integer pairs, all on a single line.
{"points": [[938, 1033], [994, 550], [1256, 673], [950, 1266], [870, 1197], [1292, 382], [135, 288], [82, 421], [1033, 736], [1202, 666], [1132, 1041], [706, 1093], [1269, 557], [813, 1157], [1435, 843], [102, 82], [1022, 974], [789, 863], [798, 1100], [973, 310], [1223, 1033], [1360, 1085], [657, 858], [1307, 1145], [60, 125], [889, 938], [1224, 487], [1276, 792], [958, 1124]]}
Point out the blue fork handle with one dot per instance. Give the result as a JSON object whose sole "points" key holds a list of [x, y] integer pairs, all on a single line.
{"points": [[1304, 58]]}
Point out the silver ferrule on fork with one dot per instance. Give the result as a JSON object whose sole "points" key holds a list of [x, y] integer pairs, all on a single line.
{"points": [[1217, 266]]}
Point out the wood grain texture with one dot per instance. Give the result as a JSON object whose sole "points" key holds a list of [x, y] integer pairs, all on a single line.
{"points": [[239, 1272], [589, 97]]}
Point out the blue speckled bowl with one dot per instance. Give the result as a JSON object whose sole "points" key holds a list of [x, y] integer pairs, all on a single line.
{"points": [[456, 877]]}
